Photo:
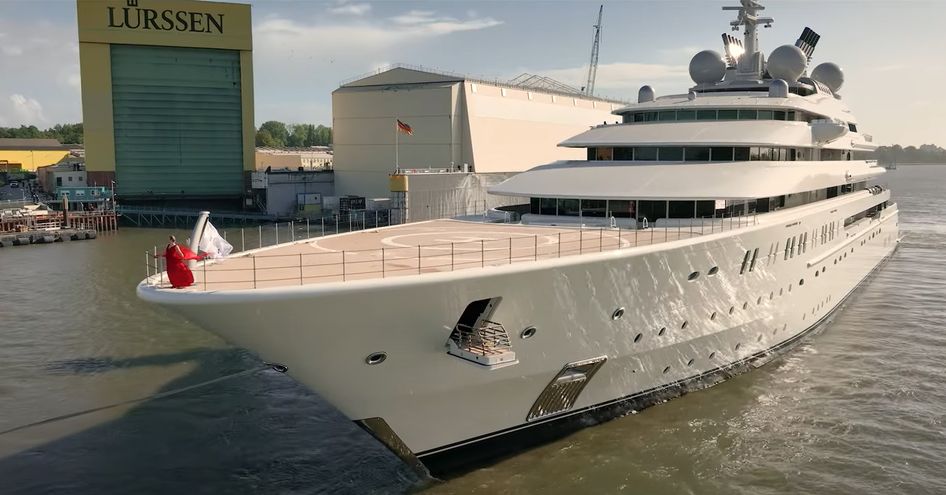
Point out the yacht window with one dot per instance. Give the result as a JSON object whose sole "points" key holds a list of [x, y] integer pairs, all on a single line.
{"points": [[645, 153], [790, 115], [534, 206], [652, 210], [604, 153], [721, 154], [748, 114], [741, 154], [779, 115], [783, 154], [621, 208], [754, 154], [792, 154], [568, 207], [638, 117], [627, 118], [707, 114], [728, 114], [697, 154], [592, 153], [705, 209], [623, 153], [766, 115], [682, 209], [766, 154], [548, 206], [667, 115], [852, 127], [594, 207], [667, 154], [686, 114]]}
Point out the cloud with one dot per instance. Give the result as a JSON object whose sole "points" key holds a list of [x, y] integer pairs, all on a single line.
{"points": [[12, 50], [351, 9], [25, 110]]}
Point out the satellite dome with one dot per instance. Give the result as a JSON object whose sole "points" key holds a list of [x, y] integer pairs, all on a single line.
{"points": [[830, 74], [787, 62], [778, 89], [645, 94], [707, 67]]}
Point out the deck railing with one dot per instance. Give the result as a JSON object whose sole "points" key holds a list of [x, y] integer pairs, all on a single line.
{"points": [[262, 270]]}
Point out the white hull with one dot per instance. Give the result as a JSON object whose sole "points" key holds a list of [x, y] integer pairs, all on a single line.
{"points": [[434, 401]]}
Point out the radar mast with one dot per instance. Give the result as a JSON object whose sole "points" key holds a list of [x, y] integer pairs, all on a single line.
{"points": [[748, 16]]}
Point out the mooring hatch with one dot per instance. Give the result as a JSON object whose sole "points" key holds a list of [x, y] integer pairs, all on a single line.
{"points": [[478, 339], [562, 392]]}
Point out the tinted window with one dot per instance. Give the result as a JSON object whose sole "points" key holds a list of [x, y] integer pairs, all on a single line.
{"points": [[689, 115], [568, 207], [623, 153], [668, 115], [779, 115], [681, 209], [728, 114], [592, 153], [604, 153], [645, 153], [741, 154], [705, 208], [638, 117], [754, 153], [621, 208], [721, 154], [706, 114], [534, 206], [674, 154], [547, 206], [748, 114], [593, 207], [766, 115], [697, 154]]}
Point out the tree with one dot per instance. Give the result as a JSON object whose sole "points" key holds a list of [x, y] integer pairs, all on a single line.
{"points": [[265, 139], [278, 131], [298, 137]]}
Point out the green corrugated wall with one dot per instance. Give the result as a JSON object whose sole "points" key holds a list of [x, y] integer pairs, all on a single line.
{"points": [[178, 121]]}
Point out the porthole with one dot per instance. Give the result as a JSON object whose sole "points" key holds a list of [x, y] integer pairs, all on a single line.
{"points": [[684, 324], [759, 300], [693, 276], [637, 338], [617, 314], [835, 261], [528, 333], [823, 268], [713, 271], [737, 347], [732, 309], [713, 316], [817, 272], [784, 326], [801, 282], [376, 358], [780, 292], [774, 331], [789, 287], [759, 338], [667, 369], [712, 355], [771, 295], [745, 305], [690, 362], [661, 332]]}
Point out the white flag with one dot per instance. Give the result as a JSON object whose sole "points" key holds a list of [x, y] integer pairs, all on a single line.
{"points": [[213, 244]]}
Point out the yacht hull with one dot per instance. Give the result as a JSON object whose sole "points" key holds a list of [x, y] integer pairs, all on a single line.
{"points": [[678, 332]]}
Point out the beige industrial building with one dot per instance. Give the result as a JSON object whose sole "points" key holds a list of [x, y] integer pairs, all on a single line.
{"points": [[317, 157], [460, 124]]}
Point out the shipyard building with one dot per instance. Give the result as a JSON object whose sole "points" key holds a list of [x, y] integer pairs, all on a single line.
{"points": [[465, 135], [167, 98]]}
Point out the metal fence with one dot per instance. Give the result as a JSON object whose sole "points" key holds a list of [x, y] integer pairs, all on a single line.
{"points": [[297, 265]]}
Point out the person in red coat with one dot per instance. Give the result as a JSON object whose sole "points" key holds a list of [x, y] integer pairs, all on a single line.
{"points": [[178, 272]]}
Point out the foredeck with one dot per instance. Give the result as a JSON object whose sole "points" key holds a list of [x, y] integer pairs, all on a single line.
{"points": [[420, 248]]}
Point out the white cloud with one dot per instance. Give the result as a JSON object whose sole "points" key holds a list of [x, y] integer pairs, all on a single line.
{"points": [[351, 9], [623, 79], [12, 50], [25, 110]]}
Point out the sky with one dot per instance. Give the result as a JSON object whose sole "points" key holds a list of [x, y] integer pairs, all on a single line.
{"points": [[893, 52]]}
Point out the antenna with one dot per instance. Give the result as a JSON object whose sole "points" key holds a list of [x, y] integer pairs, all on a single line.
{"points": [[808, 41], [748, 17], [593, 66], [734, 50]]}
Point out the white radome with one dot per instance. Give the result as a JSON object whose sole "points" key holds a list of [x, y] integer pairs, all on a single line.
{"points": [[787, 62], [707, 67], [830, 74]]}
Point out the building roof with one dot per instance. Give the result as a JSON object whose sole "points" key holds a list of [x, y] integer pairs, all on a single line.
{"points": [[412, 74], [684, 181], [31, 144]]}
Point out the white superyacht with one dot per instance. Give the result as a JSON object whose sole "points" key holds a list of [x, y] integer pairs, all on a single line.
{"points": [[704, 235]]}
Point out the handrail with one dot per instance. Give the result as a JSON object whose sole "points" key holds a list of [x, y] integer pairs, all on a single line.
{"points": [[261, 269]]}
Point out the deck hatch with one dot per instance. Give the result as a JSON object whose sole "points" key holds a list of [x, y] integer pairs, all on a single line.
{"points": [[562, 392]]}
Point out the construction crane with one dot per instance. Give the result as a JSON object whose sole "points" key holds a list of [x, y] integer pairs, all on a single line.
{"points": [[593, 67]]}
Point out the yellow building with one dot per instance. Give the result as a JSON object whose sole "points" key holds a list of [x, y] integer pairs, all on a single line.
{"points": [[167, 96], [294, 158], [32, 153]]}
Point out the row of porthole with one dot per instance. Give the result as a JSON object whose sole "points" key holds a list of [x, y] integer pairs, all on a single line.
{"points": [[709, 273]]}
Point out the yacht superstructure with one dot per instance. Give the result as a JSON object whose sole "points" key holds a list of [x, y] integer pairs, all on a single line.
{"points": [[705, 234]]}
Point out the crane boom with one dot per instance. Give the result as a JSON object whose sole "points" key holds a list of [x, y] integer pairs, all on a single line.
{"points": [[593, 66]]}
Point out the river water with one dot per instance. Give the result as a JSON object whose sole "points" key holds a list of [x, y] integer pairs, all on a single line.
{"points": [[859, 408]]}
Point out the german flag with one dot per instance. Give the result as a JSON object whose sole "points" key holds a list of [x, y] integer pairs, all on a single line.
{"points": [[406, 129]]}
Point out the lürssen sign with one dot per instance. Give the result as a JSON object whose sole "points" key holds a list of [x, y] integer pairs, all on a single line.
{"points": [[133, 17]]}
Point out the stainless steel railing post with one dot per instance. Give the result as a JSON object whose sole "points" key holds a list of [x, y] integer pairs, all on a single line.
{"points": [[382, 262], [418, 259], [452, 246], [260, 235], [343, 266], [482, 253], [300, 269]]}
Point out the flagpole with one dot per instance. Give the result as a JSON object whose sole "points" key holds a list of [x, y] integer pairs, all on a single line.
{"points": [[397, 164]]}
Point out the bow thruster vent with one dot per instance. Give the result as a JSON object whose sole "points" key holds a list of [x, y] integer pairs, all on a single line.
{"points": [[562, 392]]}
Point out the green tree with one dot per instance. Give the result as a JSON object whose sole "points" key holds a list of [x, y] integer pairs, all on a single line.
{"points": [[298, 136], [265, 139], [278, 131]]}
